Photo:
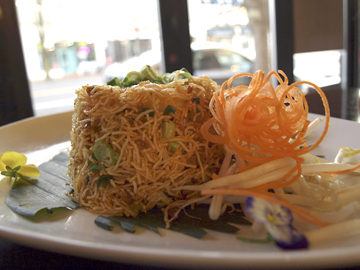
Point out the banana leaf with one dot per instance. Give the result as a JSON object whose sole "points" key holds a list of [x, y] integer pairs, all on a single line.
{"points": [[48, 191]]}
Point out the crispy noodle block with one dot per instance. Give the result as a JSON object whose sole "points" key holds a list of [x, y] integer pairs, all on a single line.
{"points": [[147, 170]]}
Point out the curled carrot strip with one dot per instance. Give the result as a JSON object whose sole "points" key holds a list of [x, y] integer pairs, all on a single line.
{"points": [[259, 115], [345, 171], [261, 123]]}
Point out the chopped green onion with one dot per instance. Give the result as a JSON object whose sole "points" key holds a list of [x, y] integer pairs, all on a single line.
{"points": [[114, 82], [168, 129], [165, 78], [104, 180], [103, 152], [135, 75], [126, 82], [159, 79], [185, 70], [94, 166], [174, 146], [197, 100], [150, 113], [182, 75], [169, 109], [148, 73]]}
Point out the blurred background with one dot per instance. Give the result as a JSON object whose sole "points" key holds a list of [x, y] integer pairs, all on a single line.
{"points": [[49, 48]]}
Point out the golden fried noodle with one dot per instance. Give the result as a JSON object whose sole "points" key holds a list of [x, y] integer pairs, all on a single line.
{"points": [[155, 148]]}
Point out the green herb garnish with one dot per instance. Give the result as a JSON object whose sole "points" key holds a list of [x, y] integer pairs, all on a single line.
{"points": [[104, 153], [104, 180], [168, 129], [147, 73], [169, 110]]}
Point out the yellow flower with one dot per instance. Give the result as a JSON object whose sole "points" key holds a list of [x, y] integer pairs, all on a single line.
{"points": [[13, 165]]}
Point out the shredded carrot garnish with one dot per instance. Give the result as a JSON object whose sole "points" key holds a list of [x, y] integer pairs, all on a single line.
{"points": [[262, 124], [345, 171], [271, 197]]}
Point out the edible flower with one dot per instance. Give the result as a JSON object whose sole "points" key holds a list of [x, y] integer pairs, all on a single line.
{"points": [[277, 220], [13, 165]]}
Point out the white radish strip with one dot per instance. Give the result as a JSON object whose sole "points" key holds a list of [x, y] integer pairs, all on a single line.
{"points": [[215, 206], [313, 125], [338, 231], [311, 158], [279, 191], [324, 167], [345, 213], [326, 178], [232, 169], [312, 203], [217, 200], [226, 163], [263, 179], [313, 190], [295, 188], [349, 195], [248, 175], [340, 156]]}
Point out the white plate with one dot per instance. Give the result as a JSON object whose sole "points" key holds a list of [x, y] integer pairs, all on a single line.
{"points": [[75, 232]]}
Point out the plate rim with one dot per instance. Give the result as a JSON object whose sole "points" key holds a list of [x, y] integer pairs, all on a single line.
{"points": [[162, 256]]}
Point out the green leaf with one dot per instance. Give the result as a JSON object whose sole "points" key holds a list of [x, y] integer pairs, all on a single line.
{"points": [[41, 196], [192, 222], [48, 191], [94, 166], [104, 180]]}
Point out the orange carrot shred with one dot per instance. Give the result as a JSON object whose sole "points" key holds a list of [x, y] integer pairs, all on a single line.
{"points": [[262, 124]]}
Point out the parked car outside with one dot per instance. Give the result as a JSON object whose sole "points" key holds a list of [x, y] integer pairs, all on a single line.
{"points": [[215, 60]]}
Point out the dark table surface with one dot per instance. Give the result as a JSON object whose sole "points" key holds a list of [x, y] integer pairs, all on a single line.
{"points": [[15, 256]]}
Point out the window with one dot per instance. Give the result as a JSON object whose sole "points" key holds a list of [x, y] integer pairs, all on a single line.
{"points": [[68, 44]]}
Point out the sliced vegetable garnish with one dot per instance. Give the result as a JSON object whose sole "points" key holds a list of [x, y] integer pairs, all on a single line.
{"points": [[103, 152], [104, 180], [168, 129], [197, 100], [114, 82], [126, 82], [94, 166], [135, 75], [152, 113], [148, 73], [174, 146], [169, 110], [182, 75]]}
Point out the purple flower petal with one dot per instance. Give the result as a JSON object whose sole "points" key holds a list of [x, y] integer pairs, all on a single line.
{"points": [[297, 241], [265, 212], [278, 222]]}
